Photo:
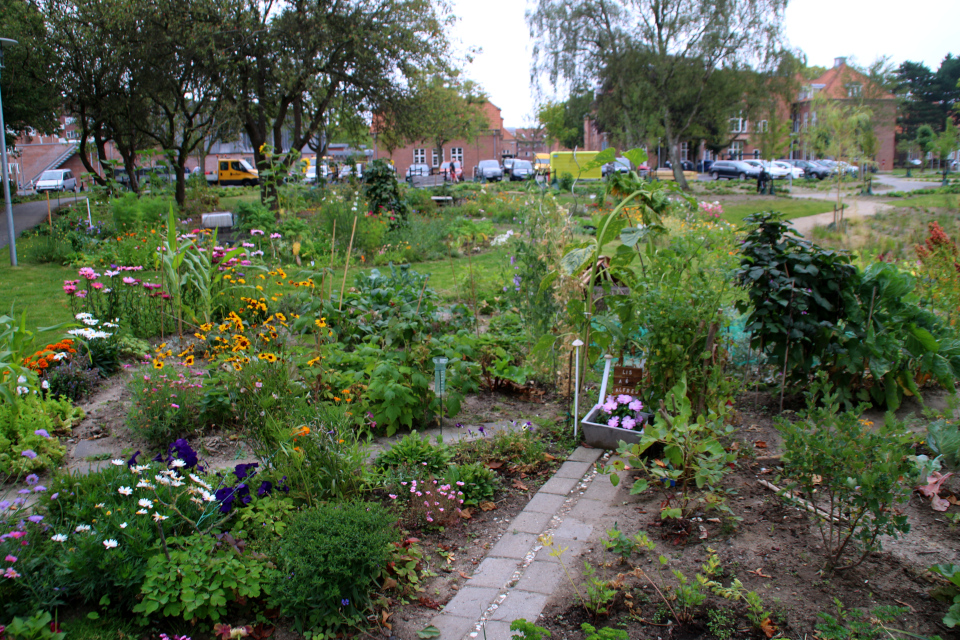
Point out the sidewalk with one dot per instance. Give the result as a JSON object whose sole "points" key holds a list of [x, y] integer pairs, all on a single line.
{"points": [[519, 575]]}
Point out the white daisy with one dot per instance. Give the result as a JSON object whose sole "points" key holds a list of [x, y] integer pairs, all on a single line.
{"points": [[110, 544], [125, 491]]}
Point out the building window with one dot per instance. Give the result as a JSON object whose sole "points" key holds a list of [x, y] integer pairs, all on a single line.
{"points": [[756, 154], [419, 156], [736, 150], [684, 151], [456, 154], [854, 90], [436, 159], [762, 126], [737, 125]]}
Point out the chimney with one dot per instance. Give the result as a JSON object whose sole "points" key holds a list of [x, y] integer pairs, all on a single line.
{"points": [[839, 62]]}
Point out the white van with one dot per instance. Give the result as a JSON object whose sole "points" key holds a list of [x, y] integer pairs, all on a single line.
{"points": [[56, 180]]}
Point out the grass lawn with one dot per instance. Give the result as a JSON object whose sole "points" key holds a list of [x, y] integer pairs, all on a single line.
{"points": [[36, 289], [735, 212], [950, 201]]}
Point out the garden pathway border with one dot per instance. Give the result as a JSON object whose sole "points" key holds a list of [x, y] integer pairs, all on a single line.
{"points": [[519, 575]]}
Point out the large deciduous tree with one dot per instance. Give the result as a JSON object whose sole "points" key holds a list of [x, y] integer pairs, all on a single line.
{"points": [[284, 64], [30, 99], [563, 121], [672, 47]]}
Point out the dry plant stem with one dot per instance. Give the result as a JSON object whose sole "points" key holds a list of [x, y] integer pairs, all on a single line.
{"points": [[163, 539], [346, 265], [659, 593], [333, 243], [803, 503]]}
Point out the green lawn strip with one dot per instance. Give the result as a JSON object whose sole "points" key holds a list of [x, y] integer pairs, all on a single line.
{"points": [[930, 201], [36, 289], [735, 212]]}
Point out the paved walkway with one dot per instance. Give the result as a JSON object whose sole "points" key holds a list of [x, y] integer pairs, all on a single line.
{"points": [[27, 215], [519, 575], [856, 207]]}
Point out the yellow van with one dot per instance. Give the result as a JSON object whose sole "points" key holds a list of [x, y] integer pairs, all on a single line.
{"points": [[541, 164], [562, 162], [233, 171]]}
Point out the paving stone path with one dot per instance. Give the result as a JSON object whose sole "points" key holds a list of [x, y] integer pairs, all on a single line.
{"points": [[519, 575]]}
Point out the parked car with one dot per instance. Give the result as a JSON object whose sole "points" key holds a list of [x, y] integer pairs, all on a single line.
{"points": [[792, 171], [619, 165], [348, 170], [733, 169], [56, 180], [489, 171], [685, 165], [507, 163], [810, 169], [416, 170], [703, 166], [775, 172], [521, 170], [457, 170]]}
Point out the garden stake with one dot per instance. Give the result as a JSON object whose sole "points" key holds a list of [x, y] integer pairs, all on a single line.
{"points": [[576, 388], [333, 244], [49, 218], [347, 264], [422, 289]]}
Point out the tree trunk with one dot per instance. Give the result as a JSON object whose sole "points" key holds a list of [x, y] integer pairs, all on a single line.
{"points": [[181, 193], [673, 154]]}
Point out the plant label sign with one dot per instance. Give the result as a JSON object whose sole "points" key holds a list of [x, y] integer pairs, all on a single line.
{"points": [[626, 380]]}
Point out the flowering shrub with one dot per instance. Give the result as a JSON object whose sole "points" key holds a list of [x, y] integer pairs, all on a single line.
{"points": [[166, 405], [940, 274], [95, 533], [622, 411], [711, 209], [430, 503]]}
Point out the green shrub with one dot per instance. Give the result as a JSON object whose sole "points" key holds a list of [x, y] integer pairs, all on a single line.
{"points": [[165, 406], [131, 211], [854, 473], [28, 429], [383, 192], [329, 561], [475, 481], [254, 215], [416, 451], [198, 576]]}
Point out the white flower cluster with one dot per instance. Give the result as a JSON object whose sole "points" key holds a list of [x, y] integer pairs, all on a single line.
{"points": [[501, 239]]}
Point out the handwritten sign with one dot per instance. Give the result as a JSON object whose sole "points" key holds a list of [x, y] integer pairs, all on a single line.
{"points": [[626, 380]]}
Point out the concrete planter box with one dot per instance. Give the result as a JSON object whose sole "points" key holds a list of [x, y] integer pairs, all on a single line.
{"points": [[600, 436]]}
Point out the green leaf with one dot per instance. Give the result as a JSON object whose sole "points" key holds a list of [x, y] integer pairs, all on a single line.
{"points": [[93, 615], [636, 156], [671, 513], [606, 156], [574, 262], [429, 632]]}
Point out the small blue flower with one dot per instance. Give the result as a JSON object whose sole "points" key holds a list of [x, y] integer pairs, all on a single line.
{"points": [[345, 602]]}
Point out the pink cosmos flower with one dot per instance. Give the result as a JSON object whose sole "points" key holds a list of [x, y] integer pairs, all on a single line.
{"points": [[81, 294], [10, 573], [97, 285], [10, 558]]}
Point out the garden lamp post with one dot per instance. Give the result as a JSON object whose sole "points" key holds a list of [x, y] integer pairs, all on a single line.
{"points": [[3, 167]]}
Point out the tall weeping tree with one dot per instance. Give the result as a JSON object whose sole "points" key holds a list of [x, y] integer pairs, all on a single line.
{"points": [[674, 48]]}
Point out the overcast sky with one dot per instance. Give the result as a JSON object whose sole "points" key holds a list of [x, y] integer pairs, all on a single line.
{"points": [[918, 30]]}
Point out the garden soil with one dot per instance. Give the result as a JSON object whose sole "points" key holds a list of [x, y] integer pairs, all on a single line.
{"points": [[774, 549]]}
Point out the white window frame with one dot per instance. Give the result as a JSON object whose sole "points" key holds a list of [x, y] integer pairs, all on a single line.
{"points": [[854, 90], [762, 126], [684, 151], [736, 150], [737, 125], [419, 156], [435, 158], [456, 154]]}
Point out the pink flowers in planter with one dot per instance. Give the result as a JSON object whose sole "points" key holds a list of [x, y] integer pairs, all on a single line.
{"points": [[622, 411]]}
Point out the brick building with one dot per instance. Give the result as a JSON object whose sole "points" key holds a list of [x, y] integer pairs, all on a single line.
{"points": [[840, 83], [496, 143]]}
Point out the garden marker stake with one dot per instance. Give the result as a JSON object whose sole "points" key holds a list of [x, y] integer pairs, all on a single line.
{"points": [[576, 387], [49, 218], [347, 264], [333, 243]]}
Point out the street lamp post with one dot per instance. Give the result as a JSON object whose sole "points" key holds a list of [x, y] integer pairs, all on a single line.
{"points": [[3, 166]]}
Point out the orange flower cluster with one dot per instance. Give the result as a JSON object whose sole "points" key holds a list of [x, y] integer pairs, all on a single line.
{"points": [[51, 353]]}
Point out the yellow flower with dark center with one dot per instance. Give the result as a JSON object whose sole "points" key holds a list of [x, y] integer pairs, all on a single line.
{"points": [[321, 323], [237, 367], [206, 326], [188, 361], [314, 362], [269, 357], [157, 364], [200, 336]]}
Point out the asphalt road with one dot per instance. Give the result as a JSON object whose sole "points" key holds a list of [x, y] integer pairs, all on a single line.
{"points": [[27, 215]]}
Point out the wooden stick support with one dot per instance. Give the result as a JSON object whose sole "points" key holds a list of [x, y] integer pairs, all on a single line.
{"points": [[347, 265], [803, 503]]}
